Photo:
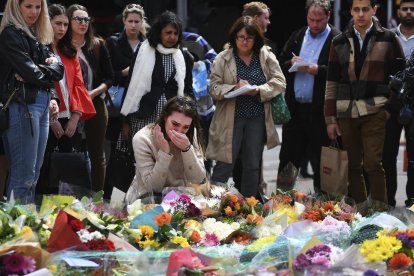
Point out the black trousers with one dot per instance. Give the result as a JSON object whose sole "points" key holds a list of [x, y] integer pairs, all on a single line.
{"points": [[389, 158], [303, 136]]}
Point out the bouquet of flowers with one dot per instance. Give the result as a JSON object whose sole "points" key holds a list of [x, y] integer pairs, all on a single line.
{"points": [[318, 255], [395, 247], [71, 232], [13, 263], [318, 210]]}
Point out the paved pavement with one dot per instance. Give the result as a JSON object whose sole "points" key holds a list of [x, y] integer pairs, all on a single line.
{"points": [[271, 164]]}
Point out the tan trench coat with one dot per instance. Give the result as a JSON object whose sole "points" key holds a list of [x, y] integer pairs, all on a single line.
{"points": [[223, 79]]}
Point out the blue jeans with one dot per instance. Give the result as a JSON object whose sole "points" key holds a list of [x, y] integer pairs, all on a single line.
{"points": [[24, 150]]}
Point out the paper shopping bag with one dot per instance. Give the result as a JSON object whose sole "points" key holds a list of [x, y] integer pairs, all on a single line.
{"points": [[334, 170]]}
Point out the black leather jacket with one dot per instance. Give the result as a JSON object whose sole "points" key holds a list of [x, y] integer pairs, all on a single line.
{"points": [[21, 54]]}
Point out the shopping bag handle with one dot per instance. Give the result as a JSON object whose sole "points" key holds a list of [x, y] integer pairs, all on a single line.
{"points": [[334, 144]]}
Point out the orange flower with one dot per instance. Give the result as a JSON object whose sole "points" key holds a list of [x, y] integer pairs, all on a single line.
{"points": [[287, 199], [399, 261], [299, 196], [252, 201], [312, 215], [237, 206], [228, 211], [328, 206], [162, 219], [249, 217], [258, 220], [234, 198], [195, 237]]}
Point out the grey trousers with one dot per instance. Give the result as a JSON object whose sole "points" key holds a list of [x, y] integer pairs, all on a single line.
{"points": [[249, 136]]}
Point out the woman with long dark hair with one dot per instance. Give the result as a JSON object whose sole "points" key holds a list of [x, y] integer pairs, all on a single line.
{"points": [[97, 76], [169, 153], [161, 71]]}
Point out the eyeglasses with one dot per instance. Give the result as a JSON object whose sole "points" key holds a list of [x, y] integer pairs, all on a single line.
{"points": [[182, 101], [134, 6], [244, 38], [407, 8], [363, 9], [80, 20]]}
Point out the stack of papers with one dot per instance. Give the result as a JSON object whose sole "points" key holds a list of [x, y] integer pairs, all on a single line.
{"points": [[242, 90], [296, 65]]}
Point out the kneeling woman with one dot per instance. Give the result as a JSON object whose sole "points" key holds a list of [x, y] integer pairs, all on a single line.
{"points": [[168, 153]]}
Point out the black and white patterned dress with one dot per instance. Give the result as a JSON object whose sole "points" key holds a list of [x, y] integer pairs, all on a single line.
{"points": [[137, 123]]}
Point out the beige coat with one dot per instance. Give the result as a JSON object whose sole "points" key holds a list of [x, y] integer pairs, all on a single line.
{"points": [[157, 169], [223, 79]]}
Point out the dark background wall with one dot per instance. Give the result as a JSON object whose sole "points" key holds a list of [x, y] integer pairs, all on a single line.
{"points": [[210, 18]]}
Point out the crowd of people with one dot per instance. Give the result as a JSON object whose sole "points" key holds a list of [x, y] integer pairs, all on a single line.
{"points": [[175, 112]]}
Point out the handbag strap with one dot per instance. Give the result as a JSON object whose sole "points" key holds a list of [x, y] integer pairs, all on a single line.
{"points": [[10, 98], [109, 99]]}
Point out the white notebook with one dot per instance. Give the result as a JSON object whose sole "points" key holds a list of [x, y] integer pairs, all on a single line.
{"points": [[242, 90]]}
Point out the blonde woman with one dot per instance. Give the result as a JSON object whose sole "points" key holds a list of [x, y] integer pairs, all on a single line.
{"points": [[122, 47], [30, 67]]}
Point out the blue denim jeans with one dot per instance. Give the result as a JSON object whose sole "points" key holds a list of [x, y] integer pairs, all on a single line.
{"points": [[24, 150]]}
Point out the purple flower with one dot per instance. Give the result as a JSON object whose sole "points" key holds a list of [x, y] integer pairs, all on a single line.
{"points": [[16, 263], [301, 261], [406, 240], [210, 240], [318, 250], [322, 260], [185, 199], [193, 211], [370, 272]]}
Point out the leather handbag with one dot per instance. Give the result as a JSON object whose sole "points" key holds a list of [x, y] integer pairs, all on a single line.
{"points": [[120, 170], [114, 100], [69, 167], [280, 110]]}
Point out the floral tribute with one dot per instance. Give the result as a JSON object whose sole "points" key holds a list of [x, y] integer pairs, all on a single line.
{"points": [[16, 264], [69, 231], [318, 210], [395, 247], [318, 255]]}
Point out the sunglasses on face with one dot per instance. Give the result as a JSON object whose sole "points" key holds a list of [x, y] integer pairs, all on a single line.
{"points": [[134, 6], [80, 20], [183, 101], [407, 8]]}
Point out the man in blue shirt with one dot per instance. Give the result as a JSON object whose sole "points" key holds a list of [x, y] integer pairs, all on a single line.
{"points": [[305, 90]]}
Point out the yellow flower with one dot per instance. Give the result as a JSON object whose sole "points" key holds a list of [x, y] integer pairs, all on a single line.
{"points": [[26, 230], [380, 249], [261, 243], [181, 241], [192, 224], [52, 269], [149, 244], [147, 231]]}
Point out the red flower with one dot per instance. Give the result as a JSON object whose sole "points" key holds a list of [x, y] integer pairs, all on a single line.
{"points": [[399, 261], [100, 245], [76, 225]]}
